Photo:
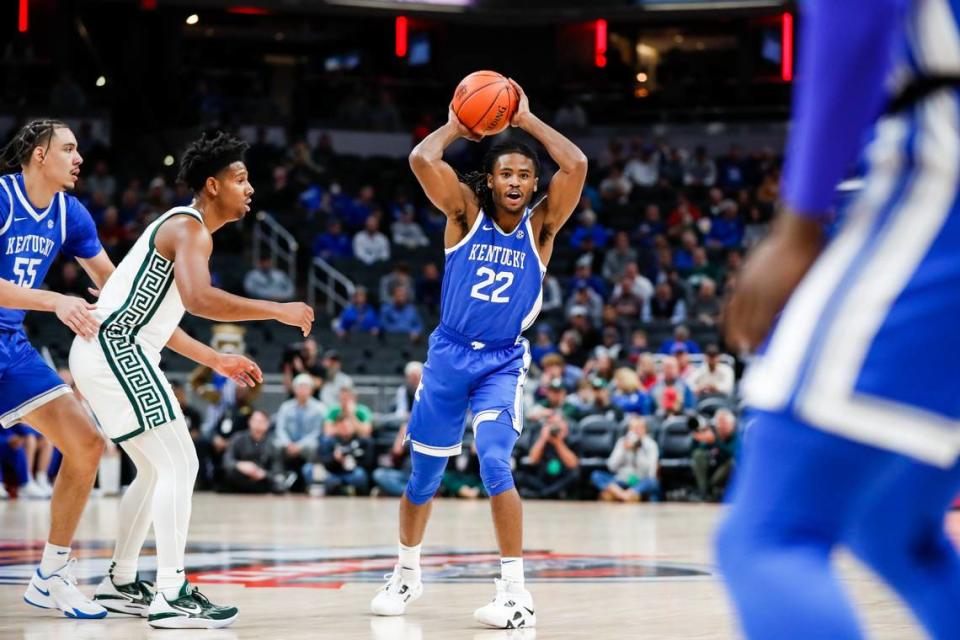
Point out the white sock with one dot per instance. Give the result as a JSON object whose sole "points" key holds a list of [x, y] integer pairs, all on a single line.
{"points": [[170, 581], [123, 573], [410, 563], [511, 569], [53, 558]]}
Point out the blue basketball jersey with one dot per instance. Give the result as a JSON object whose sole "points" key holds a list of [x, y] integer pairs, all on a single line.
{"points": [[492, 282], [31, 238]]}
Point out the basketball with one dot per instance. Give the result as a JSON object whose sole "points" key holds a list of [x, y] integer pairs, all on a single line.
{"points": [[484, 102]]}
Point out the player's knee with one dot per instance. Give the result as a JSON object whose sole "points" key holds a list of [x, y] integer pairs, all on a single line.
{"points": [[495, 472], [731, 546], [425, 478]]}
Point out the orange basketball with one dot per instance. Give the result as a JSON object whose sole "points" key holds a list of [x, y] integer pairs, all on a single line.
{"points": [[484, 102]]}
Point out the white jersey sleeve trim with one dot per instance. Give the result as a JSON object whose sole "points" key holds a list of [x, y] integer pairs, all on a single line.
{"points": [[9, 221], [63, 218], [466, 238]]}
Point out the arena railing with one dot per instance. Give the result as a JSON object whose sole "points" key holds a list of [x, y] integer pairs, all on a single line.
{"points": [[336, 288], [270, 234]]}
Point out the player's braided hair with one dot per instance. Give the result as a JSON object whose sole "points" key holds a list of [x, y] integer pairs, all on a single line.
{"points": [[208, 156], [36, 133], [477, 180]]}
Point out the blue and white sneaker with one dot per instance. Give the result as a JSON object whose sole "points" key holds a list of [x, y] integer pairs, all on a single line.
{"points": [[59, 591]]}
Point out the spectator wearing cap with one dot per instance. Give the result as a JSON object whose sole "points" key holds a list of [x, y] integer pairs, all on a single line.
{"points": [[334, 244], [299, 425], [555, 401], [705, 308], [586, 301], [359, 316], [266, 282], [628, 395], [671, 393], [713, 377], [400, 316], [370, 246], [602, 402], [631, 468], [552, 468], [681, 336], [583, 275], [715, 454], [334, 379], [616, 260], [726, 231]]}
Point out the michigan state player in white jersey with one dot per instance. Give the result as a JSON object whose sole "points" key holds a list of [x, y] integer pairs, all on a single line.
{"points": [[497, 249], [164, 274]]}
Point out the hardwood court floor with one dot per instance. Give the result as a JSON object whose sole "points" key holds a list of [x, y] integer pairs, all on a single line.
{"points": [[303, 567]]}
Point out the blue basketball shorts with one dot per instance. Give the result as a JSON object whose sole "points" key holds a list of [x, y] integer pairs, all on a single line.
{"points": [[461, 373], [26, 381]]}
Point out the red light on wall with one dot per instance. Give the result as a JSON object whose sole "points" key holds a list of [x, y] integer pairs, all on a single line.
{"points": [[148, 5], [600, 43], [786, 48], [22, 17], [400, 40], [249, 11]]}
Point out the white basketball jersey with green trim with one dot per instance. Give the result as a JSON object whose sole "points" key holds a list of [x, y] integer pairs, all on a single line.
{"points": [[118, 370]]}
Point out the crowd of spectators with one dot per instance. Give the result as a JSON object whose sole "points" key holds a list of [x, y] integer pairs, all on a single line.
{"points": [[628, 330]]}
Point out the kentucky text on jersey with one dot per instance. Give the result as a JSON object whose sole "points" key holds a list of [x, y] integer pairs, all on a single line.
{"points": [[31, 244], [499, 255]]}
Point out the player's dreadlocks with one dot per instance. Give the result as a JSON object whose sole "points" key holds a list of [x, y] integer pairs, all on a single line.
{"points": [[208, 156], [37, 133], [477, 180]]}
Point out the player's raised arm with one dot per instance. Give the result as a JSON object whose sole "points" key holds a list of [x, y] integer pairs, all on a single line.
{"points": [[438, 179], [567, 183], [190, 244]]}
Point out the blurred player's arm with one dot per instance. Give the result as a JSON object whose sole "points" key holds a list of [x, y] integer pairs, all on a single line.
{"points": [[566, 185], [190, 245], [846, 48], [438, 179]]}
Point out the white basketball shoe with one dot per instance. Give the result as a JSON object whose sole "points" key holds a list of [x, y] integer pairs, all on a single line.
{"points": [[59, 591], [392, 599], [511, 608]]}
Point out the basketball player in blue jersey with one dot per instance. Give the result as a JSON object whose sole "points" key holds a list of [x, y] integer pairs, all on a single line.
{"points": [[38, 220], [497, 249], [857, 424]]}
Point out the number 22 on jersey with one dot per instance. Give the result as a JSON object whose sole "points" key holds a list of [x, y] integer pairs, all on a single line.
{"points": [[489, 278]]}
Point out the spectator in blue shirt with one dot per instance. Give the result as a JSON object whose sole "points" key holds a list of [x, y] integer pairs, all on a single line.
{"points": [[334, 244], [399, 316], [359, 316], [681, 338], [588, 228], [726, 230], [583, 276]]}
